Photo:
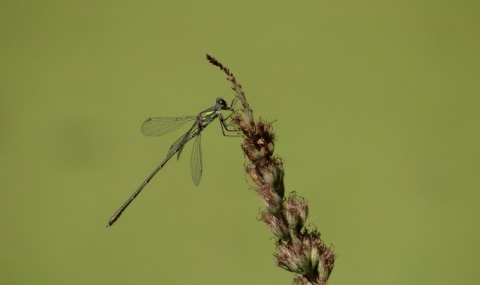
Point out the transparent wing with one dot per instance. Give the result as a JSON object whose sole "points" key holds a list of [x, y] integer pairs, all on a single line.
{"points": [[177, 146], [159, 126], [196, 161]]}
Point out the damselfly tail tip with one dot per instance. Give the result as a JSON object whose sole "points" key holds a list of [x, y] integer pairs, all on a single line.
{"points": [[111, 221]]}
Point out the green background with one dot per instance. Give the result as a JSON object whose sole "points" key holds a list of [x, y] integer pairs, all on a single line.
{"points": [[376, 108]]}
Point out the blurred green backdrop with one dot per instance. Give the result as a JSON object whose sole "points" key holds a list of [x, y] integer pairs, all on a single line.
{"points": [[377, 111]]}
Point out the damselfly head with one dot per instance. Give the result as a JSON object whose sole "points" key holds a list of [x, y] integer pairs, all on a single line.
{"points": [[222, 103]]}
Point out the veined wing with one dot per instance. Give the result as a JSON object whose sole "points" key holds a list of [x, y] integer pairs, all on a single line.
{"points": [[158, 126], [177, 146], [196, 161]]}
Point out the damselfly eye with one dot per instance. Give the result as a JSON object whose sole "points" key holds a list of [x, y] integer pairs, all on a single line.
{"points": [[222, 102]]}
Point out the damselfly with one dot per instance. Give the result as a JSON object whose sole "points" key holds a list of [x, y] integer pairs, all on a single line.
{"points": [[158, 126]]}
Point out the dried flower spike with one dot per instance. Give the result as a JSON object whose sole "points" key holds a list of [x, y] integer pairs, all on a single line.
{"points": [[300, 250]]}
